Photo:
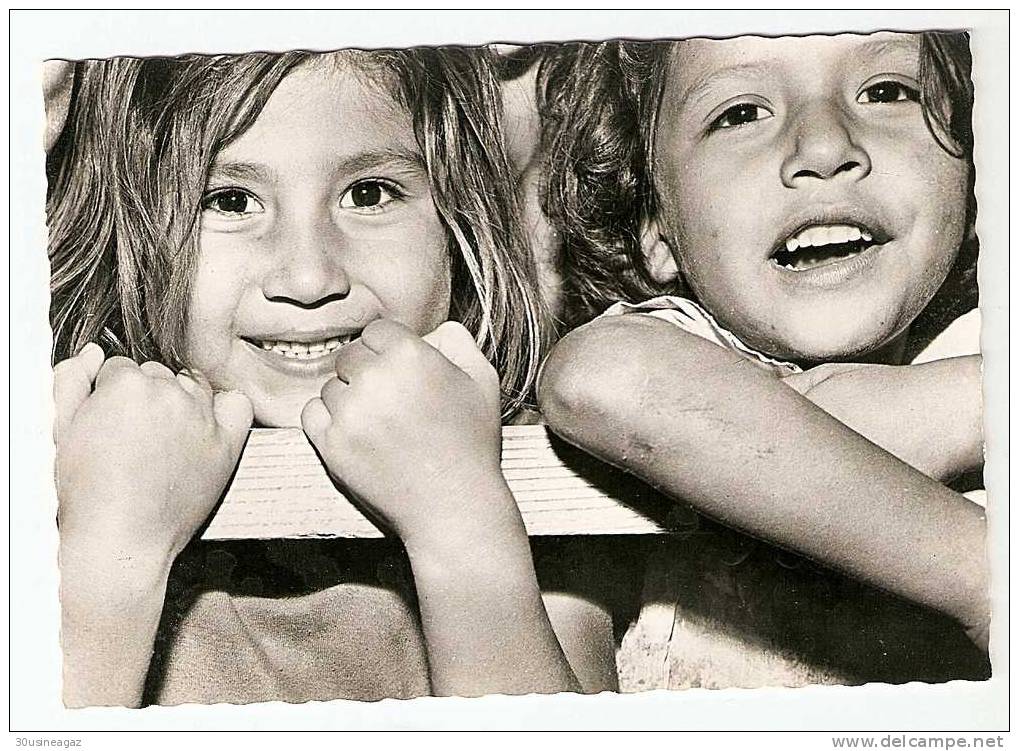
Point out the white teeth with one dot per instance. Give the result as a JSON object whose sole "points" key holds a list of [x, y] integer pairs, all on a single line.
{"points": [[811, 239], [829, 234], [304, 350], [818, 236]]}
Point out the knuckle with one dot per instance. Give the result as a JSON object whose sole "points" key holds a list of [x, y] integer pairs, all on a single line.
{"points": [[375, 330], [455, 328], [379, 324], [118, 368], [348, 360], [127, 379], [69, 368], [350, 415], [168, 396], [332, 391], [118, 361], [410, 350], [154, 367]]}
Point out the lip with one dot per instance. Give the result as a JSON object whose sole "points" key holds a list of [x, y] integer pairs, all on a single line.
{"points": [[834, 274], [856, 216], [305, 336], [314, 367]]}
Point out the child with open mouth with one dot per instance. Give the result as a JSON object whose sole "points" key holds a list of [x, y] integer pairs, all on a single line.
{"points": [[791, 207]]}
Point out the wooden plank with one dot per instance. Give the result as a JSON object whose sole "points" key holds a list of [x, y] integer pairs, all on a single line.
{"points": [[281, 490]]}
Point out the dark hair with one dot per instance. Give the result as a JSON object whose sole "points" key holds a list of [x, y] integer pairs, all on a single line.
{"points": [[599, 106], [124, 201]]}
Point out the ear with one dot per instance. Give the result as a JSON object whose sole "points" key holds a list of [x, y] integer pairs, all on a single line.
{"points": [[658, 258]]}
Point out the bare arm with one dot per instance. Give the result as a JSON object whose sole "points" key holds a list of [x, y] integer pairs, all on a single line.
{"points": [[929, 415], [704, 425], [142, 457], [410, 427], [111, 602], [485, 623]]}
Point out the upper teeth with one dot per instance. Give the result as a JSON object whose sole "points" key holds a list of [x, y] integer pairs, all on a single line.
{"points": [[304, 350], [827, 234]]}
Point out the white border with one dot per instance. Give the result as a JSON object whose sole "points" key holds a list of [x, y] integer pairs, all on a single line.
{"points": [[35, 658]]}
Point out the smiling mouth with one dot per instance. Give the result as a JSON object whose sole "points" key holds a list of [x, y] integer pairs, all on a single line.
{"points": [[819, 245], [302, 350]]}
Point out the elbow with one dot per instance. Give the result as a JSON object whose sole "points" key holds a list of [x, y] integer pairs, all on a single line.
{"points": [[590, 380], [563, 393]]}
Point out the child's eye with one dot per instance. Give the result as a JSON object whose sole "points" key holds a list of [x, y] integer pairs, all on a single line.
{"points": [[232, 202], [370, 196], [884, 92], [740, 114]]}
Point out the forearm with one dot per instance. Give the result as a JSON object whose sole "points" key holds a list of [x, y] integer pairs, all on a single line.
{"points": [[929, 415], [707, 427], [111, 603], [485, 626]]}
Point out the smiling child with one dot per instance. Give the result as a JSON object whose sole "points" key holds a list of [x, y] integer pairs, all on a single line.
{"points": [[325, 241], [810, 196]]}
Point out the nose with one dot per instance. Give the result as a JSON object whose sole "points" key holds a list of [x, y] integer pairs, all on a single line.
{"points": [[307, 268], [823, 146]]}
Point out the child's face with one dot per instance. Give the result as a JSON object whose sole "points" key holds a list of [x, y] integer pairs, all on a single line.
{"points": [[316, 221], [764, 146]]}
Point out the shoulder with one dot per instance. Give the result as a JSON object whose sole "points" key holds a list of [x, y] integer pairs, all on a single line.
{"points": [[632, 329], [688, 316], [633, 347], [678, 311]]}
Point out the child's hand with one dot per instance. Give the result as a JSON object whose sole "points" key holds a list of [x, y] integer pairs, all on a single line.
{"points": [[142, 455], [928, 415], [411, 428]]}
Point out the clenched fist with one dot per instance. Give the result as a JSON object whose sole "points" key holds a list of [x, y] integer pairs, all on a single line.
{"points": [[410, 427], [143, 455]]}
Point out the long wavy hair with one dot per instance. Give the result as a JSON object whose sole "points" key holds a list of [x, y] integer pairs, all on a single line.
{"points": [[129, 171], [599, 104]]}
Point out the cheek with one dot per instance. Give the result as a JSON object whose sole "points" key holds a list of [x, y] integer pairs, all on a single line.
{"points": [[950, 207], [943, 197], [703, 238], [432, 288], [709, 209], [936, 183], [216, 290], [411, 277], [435, 278]]}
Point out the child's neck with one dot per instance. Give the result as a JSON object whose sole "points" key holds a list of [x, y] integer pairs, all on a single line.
{"points": [[891, 353]]}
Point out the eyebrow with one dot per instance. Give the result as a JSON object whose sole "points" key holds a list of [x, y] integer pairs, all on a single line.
{"points": [[397, 158], [701, 86], [244, 171], [896, 44], [389, 157], [873, 47]]}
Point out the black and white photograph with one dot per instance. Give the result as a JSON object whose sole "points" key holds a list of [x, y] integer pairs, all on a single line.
{"points": [[548, 368]]}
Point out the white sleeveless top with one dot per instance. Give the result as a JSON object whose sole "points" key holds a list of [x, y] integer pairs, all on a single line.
{"points": [[960, 338], [691, 317]]}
